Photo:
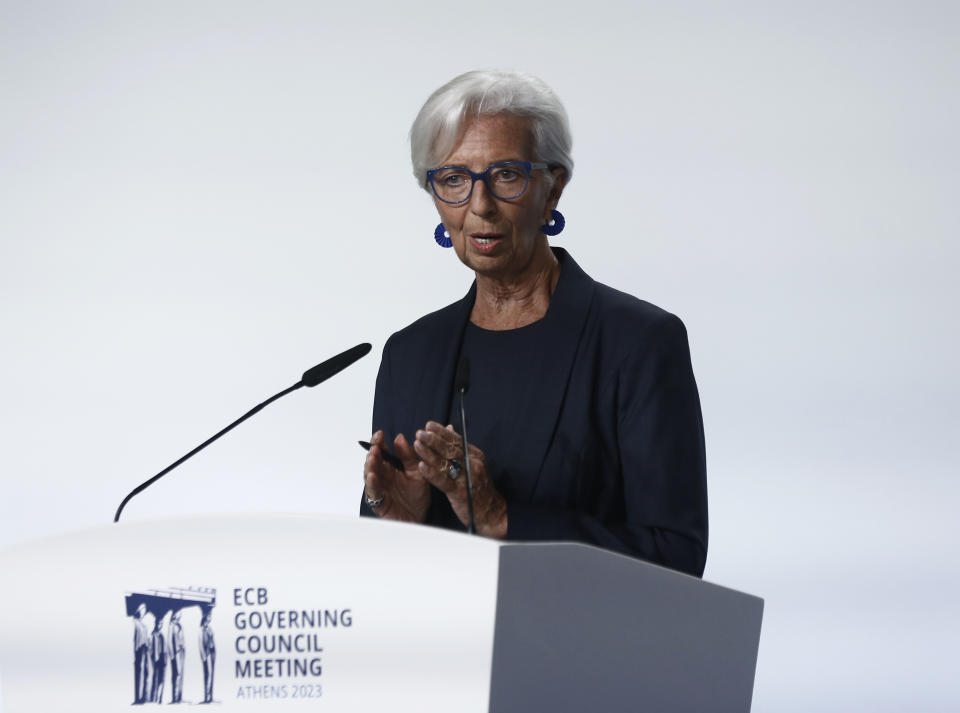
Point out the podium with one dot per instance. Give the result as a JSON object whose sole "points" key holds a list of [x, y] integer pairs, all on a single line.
{"points": [[289, 613]]}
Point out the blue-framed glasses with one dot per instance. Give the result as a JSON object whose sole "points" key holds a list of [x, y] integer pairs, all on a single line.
{"points": [[505, 180]]}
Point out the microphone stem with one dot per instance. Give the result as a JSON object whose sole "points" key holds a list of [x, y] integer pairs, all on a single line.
{"points": [[471, 524], [248, 414]]}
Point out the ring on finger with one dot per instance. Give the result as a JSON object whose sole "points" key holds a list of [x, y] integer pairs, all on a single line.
{"points": [[373, 503], [453, 470]]}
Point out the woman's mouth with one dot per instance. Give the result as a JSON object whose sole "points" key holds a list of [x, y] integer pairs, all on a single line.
{"points": [[485, 242]]}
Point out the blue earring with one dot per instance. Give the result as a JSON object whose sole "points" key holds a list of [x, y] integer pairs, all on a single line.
{"points": [[442, 237], [555, 224]]}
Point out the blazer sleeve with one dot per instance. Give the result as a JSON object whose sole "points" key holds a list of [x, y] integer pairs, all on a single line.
{"points": [[387, 418], [383, 407], [662, 516]]}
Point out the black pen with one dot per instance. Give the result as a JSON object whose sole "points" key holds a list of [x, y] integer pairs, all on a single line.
{"points": [[387, 455]]}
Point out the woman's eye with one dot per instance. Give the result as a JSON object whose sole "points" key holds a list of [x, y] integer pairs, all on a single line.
{"points": [[453, 179], [506, 175]]}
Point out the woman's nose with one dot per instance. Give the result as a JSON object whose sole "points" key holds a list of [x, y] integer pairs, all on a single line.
{"points": [[481, 202]]}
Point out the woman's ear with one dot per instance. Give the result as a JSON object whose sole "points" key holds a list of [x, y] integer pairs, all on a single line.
{"points": [[556, 190]]}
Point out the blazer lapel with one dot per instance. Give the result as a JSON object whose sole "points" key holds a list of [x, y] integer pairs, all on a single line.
{"points": [[563, 328], [439, 361]]}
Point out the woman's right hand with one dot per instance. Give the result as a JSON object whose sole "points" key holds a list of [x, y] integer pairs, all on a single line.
{"points": [[406, 495]]}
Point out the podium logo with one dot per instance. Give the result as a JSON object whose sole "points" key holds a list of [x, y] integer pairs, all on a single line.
{"points": [[160, 650]]}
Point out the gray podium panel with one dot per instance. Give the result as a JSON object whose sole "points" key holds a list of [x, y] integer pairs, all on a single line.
{"points": [[581, 629]]}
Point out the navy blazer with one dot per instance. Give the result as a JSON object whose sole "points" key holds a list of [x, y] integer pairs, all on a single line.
{"points": [[618, 428]]}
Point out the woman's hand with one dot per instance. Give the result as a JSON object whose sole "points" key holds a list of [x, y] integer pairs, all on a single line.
{"points": [[405, 494], [438, 447]]}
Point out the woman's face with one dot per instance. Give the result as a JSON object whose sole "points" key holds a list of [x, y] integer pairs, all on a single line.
{"points": [[498, 238]]}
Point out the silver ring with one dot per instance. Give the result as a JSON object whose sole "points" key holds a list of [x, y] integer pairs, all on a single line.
{"points": [[453, 472], [373, 503]]}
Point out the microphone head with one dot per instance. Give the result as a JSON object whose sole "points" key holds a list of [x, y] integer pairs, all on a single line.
{"points": [[462, 380], [333, 365]]}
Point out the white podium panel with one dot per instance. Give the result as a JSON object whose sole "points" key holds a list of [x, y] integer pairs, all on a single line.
{"points": [[301, 613]]}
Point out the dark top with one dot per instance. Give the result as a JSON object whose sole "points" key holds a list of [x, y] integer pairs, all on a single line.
{"points": [[503, 375], [607, 446]]}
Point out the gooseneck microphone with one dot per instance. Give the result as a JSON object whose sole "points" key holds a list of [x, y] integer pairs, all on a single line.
{"points": [[317, 375], [333, 366], [462, 383]]}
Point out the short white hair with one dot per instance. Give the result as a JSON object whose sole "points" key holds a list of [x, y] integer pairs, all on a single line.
{"points": [[439, 124]]}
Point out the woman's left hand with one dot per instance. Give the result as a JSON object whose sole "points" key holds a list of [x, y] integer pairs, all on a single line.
{"points": [[438, 447]]}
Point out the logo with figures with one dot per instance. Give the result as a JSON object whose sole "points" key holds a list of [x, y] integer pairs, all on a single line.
{"points": [[164, 620]]}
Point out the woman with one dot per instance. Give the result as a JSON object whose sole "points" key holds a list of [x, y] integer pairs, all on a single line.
{"points": [[582, 403]]}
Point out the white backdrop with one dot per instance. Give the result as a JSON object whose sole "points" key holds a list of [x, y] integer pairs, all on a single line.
{"points": [[198, 201]]}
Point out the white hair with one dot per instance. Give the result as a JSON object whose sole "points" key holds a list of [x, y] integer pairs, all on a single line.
{"points": [[439, 124]]}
